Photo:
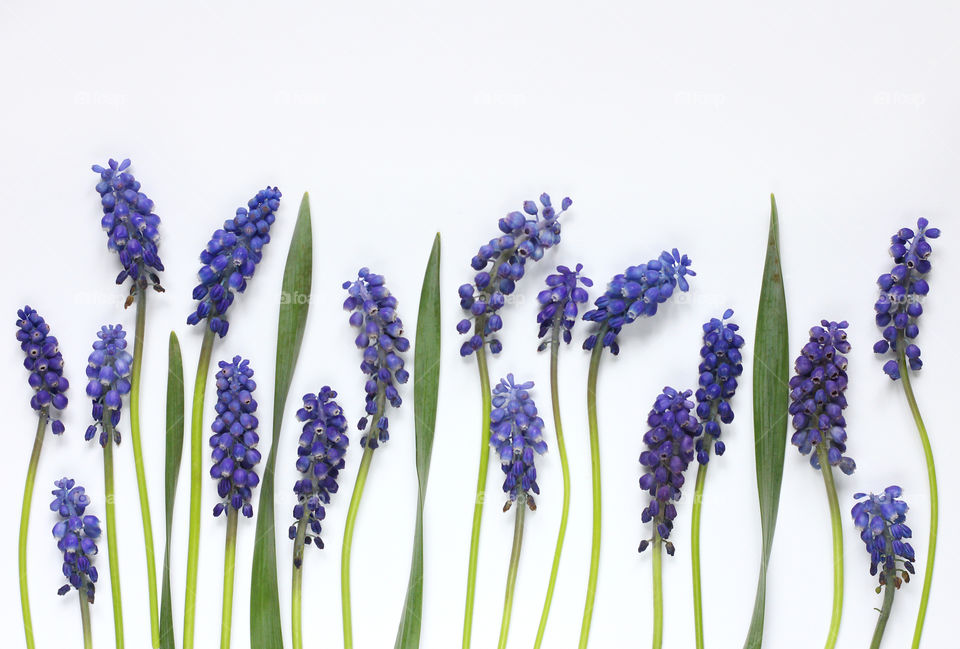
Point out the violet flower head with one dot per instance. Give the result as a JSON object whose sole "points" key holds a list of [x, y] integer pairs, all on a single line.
{"points": [[902, 293], [720, 367], [516, 434], [637, 292], [500, 264], [76, 533], [231, 257], [560, 302], [234, 440], [817, 396], [670, 443], [882, 521], [131, 226], [42, 358], [374, 313], [108, 371], [323, 445]]}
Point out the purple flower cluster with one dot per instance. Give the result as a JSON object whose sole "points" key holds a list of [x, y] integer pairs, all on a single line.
{"points": [[902, 291], [42, 358], [323, 444], [234, 440], [637, 292], [108, 371], [231, 257], [670, 443], [817, 395], [500, 264], [516, 433], [720, 366], [374, 313], [131, 226], [76, 533], [881, 520], [560, 301]]}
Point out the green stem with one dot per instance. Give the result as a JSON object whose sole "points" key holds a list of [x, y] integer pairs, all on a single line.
{"points": [[932, 481], [657, 590], [521, 506], [112, 527], [196, 491], [297, 585], [481, 489], [695, 552], [889, 590], [85, 617], [229, 565], [141, 300], [836, 526], [25, 525], [565, 469], [595, 465]]}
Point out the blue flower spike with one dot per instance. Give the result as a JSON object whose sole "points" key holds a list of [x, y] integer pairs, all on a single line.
{"points": [[882, 521], [560, 302], [108, 371], [234, 441], [44, 362], [720, 367], [76, 533], [516, 434]]}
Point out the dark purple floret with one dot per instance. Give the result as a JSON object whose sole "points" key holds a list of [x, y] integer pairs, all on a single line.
{"points": [[516, 434], [560, 302], [42, 358], [108, 371], [817, 396], [882, 521], [234, 440], [902, 291], [231, 257], [720, 367], [76, 533], [670, 443]]}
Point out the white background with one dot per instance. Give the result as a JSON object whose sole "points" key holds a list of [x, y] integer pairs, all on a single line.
{"points": [[667, 126]]}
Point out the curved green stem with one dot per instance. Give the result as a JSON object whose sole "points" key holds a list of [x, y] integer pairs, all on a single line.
{"points": [[296, 598], [934, 500], [481, 489], [836, 526], [565, 468], [889, 590], [229, 565], [695, 552], [141, 300], [111, 510], [85, 617], [196, 491], [521, 506], [595, 466], [657, 590], [25, 526]]}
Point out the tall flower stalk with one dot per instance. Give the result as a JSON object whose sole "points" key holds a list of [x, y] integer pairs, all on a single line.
{"points": [[559, 307], [374, 313], [720, 367], [500, 264], [635, 293], [898, 310], [44, 362], [817, 403], [320, 452], [108, 374], [229, 260], [133, 233]]}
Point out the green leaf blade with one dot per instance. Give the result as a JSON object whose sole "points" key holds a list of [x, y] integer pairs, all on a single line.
{"points": [[426, 384], [265, 628], [174, 454], [771, 367]]}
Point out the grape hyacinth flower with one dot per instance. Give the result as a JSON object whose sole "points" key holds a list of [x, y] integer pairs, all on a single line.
{"points": [[559, 307], [516, 434], [635, 293], [133, 233], [76, 533], [44, 362], [235, 458], [320, 452], [720, 367], [228, 261], [374, 313], [898, 310], [499, 265], [817, 402], [882, 521]]}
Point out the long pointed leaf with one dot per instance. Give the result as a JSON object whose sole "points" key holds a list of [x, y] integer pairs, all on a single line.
{"points": [[174, 453], [771, 367], [265, 630], [426, 383]]}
